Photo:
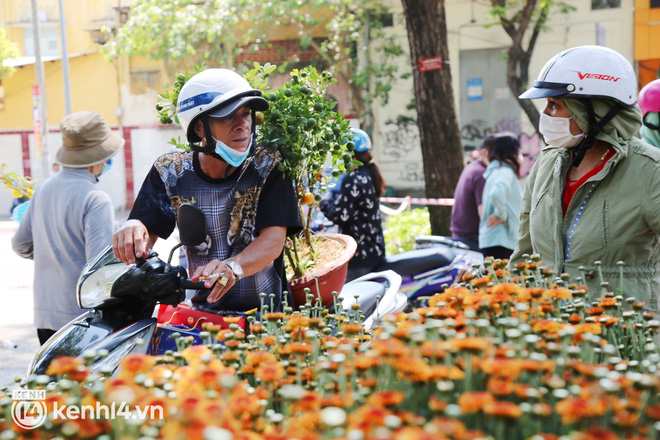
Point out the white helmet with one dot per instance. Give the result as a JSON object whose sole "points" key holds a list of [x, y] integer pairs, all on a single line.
{"points": [[216, 93], [586, 72]]}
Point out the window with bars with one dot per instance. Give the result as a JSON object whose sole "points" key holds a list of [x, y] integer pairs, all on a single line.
{"points": [[49, 41], [605, 4]]}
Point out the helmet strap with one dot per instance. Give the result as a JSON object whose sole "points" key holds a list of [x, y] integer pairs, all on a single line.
{"points": [[594, 129], [650, 124], [209, 148]]}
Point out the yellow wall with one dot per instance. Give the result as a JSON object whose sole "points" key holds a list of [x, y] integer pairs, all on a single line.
{"points": [[93, 81], [647, 31], [93, 84]]}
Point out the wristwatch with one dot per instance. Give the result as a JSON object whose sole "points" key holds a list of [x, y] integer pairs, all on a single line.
{"points": [[235, 268]]}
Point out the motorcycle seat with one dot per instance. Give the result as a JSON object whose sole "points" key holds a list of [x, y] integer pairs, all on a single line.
{"points": [[366, 291], [420, 260]]}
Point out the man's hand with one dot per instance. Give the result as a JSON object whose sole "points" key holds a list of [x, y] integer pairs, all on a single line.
{"points": [[130, 241], [215, 274]]}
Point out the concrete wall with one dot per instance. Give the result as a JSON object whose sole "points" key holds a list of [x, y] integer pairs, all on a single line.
{"points": [[395, 134]]}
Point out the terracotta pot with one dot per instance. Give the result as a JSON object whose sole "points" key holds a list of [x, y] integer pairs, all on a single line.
{"points": [[330, 279]]}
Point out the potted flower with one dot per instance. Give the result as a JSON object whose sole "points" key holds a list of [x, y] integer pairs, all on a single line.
{"points": [[22, 189], [314, 141]]}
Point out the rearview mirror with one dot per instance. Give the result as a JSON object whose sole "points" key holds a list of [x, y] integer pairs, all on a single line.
{"points": [[192, 225]]}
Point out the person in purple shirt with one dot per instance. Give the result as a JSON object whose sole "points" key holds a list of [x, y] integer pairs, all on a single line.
{"points": [[466, 212]]}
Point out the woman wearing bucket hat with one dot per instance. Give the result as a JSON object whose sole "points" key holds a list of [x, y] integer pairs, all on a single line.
{"points": [[249, 206], [594, 192], [69, 220]]}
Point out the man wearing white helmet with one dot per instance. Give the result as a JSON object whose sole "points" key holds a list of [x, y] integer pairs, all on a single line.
{"points": [[250, 207], [594, 192]]}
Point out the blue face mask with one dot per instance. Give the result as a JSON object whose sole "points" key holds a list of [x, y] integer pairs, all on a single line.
{"points": [[106, 168], [229, 155]]}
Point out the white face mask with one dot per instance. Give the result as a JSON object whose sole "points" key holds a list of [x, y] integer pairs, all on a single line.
{"points": [[557, 132]]}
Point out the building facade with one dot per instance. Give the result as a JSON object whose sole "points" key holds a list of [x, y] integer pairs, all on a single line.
{"points": [[125, 91]]}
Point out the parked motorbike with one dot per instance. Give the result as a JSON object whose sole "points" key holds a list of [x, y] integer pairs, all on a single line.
{"points": [[377, 293], [122, 300], [436, 262]]}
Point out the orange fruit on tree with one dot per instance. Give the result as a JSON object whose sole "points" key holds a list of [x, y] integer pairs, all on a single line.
{"points": [[307, 198]]}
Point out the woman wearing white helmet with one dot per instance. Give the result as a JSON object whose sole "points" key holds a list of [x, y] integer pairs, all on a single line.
{"points": [[594, 192], [355, 209], [250, 207]]}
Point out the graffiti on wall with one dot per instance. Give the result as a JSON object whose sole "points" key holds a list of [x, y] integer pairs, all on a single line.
{"points": [[400, 137], [412, 173]]}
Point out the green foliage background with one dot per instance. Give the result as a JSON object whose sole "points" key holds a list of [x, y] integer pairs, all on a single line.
{"points": [[400, 230]]}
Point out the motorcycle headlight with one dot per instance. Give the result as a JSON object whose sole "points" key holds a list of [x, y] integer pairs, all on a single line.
{"points": [[98, 277]]}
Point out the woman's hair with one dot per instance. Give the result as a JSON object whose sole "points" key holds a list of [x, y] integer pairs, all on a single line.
{"points": [[505, 147], [379, 183]]}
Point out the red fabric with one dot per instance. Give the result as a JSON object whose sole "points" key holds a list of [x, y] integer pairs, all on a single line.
{"points": [[183, 315], [570, 189]]}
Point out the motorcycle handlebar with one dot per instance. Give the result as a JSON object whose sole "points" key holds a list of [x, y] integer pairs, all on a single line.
{"points": [[187, 284]]}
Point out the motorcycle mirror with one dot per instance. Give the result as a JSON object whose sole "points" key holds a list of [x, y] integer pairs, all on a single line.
{"points": [[192, 225]]}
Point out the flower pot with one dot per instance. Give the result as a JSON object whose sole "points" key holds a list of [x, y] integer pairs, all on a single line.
{"points": [[327, 280]]}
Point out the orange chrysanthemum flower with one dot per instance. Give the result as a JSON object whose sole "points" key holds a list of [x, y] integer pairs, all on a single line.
{"points": [[474, 401], [507, 410], [560, 293], [480, 282], [414, 369], [500, 387], [444, 372], [547, 326], [137, 363], [364, 363], [390, 347], [296, 323], [588, 327], [351, 329], [653, 411], [594, 311], [269, 340], [416, 433], [436, 405], [504, 367], [447, 426], [595, 433], [574, 319], [257, 328], [274, 316], [386, 399], [470, 344], [269, 371], [574, 409], [254, 358], [64, 365], [608, 303], [89, 428], [433, 349], [242, 402], [506, 288]]}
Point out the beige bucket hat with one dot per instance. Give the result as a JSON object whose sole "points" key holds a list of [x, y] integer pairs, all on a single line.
{"points": [[86, 140]]}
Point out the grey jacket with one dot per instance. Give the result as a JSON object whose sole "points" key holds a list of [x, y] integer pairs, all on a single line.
{"points": [[620, 221], [68, 222]]}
